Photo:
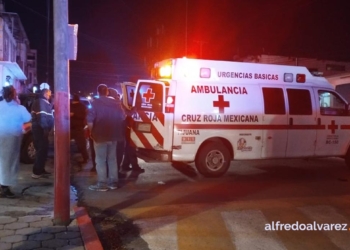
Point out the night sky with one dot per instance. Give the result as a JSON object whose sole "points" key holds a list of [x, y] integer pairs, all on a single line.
{"points": [[118, 40]]}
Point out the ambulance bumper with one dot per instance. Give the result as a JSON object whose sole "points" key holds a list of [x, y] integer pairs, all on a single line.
{"points": [[151, 155]]}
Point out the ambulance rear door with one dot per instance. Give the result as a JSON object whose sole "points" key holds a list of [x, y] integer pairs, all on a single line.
{"points": [[153, 127], [128, 93]]}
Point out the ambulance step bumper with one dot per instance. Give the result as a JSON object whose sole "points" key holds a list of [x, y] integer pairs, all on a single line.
{"points": [[149, 155]]}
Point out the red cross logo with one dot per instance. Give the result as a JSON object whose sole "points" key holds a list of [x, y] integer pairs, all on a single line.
{"points": [[221, 104], [148, 95], [333, 127], [132, 93]]}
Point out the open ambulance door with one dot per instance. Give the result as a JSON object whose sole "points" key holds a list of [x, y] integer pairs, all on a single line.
{"points": [[153, 124], [128, 93]]}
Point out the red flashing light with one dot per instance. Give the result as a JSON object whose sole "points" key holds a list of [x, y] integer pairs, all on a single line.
{"points": [[301, 78]]}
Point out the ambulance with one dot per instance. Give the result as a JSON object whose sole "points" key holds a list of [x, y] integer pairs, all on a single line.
{"points": [[212, 112]]}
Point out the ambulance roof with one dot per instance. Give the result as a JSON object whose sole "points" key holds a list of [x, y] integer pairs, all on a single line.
{"points": [[241, 72]]}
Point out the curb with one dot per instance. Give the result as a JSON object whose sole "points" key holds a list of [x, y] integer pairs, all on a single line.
{"points": [[87, 230]]}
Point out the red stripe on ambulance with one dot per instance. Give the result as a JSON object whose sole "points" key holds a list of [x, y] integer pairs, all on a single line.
{"points": [[154, 131], [143, 139], [249, 126]]}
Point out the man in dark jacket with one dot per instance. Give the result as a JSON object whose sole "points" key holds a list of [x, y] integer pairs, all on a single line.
{"points": [[130, 157], [78, 113], [105, 121], [42, 124]]}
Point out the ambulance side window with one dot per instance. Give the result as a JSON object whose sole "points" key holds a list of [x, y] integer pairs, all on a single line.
{"points": [[331, 104], [274, 101], [299, 102]]}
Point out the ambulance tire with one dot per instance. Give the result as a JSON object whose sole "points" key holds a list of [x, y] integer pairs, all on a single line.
{"points": [[213, 160]]}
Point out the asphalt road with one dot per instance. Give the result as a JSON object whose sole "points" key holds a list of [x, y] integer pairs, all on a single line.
{"points": [[173, 207]]}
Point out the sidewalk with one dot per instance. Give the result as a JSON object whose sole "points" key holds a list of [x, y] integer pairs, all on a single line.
{"points": [[26, 222]]}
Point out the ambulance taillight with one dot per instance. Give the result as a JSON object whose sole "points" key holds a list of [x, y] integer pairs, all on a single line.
{"points": [[170, 104]]}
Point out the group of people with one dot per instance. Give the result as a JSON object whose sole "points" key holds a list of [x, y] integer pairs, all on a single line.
{"points": [[108, 121]]}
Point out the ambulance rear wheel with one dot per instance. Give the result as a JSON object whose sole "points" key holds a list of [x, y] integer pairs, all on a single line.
{"points": [[213, 160]]}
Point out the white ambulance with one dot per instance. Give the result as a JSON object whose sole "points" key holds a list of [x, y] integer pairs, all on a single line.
{"points": [[212, 112]]}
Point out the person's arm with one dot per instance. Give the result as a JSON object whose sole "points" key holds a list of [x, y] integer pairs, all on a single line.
{"points": [[90, 118]]}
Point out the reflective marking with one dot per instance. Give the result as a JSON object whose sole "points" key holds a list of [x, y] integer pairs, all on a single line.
{"points": [[149, 140], [247, 230], [327, 214], [159, 233]]}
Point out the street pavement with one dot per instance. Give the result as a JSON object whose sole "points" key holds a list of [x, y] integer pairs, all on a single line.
{"points": [[27, 221]]}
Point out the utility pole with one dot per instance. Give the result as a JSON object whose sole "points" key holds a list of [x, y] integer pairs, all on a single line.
{"points": [[62, 115]]}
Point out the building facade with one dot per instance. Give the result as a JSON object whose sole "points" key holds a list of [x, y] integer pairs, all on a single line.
{"points": [[325, 68], [17, 60], [336, 72]]}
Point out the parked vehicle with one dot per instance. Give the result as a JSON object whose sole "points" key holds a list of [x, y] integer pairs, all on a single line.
{"points": [[27, 153], [212, 112]]}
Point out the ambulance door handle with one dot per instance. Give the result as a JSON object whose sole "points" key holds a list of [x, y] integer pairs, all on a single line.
{"points": [[290, 121], [318, 121], [269, 137], [257, 138]]}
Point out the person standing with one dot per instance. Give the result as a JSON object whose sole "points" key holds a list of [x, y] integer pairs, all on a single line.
{"points": [[42, 124], [130, 157], [78, 113], [105, 121], [12, 117], [113, 93]]}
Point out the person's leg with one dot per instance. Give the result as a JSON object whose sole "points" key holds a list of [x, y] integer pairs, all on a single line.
{"points": [[9, 163], [133, 157], [41, 143], [131, 151], [6, 192], [112, 162], [125, 166], [120, 153], [93, 155], [81, 144], [101, 155]]}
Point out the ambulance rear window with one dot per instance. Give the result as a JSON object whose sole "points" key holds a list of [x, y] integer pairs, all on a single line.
{"points": [[130, 92], [150, 97]]}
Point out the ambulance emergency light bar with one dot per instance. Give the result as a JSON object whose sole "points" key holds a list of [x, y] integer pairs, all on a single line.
{"points": [[165, 72], [300, 78], [162, 72]]}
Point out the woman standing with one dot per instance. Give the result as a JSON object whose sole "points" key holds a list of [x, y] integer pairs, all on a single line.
{"points": [[12, 117]]}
